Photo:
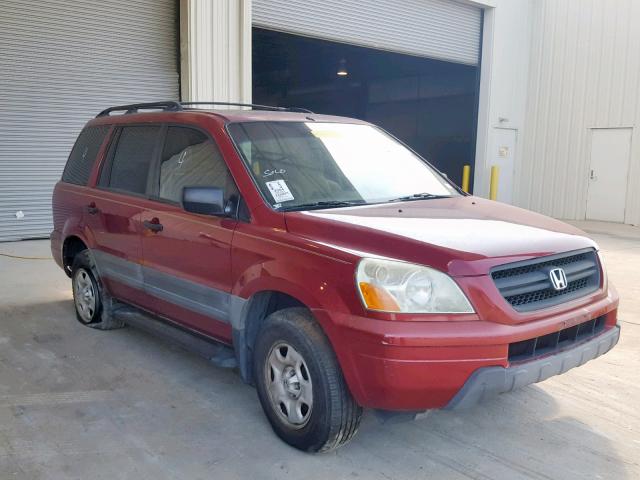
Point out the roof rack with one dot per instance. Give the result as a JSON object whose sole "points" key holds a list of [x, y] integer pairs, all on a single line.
{"points": [[173, 106], [169, 106], [254, 106]]}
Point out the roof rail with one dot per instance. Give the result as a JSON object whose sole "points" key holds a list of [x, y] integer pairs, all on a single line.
{"points": [[169, 106], [254, 106], [173, 106]]}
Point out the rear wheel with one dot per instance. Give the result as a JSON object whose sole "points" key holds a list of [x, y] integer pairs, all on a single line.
{"points": [[300, 384], [94, 307], [85, 296]]}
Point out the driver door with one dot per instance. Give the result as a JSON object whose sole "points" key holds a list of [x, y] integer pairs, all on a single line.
{"points": [[187, 256]]}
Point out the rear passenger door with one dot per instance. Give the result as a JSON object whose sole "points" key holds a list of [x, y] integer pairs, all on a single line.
{"points": [[113, 213], [187, 256]]}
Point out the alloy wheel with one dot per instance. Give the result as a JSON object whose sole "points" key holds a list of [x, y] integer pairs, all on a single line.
{"points": [[84, 295]]}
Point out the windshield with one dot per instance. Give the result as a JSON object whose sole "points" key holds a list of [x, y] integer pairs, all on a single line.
{"points": [[299, 165]]}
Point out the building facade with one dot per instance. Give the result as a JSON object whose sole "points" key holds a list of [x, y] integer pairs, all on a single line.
{"points": [[548, 90]]}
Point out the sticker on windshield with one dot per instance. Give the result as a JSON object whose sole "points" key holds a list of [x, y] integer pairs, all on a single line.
{"points": [[279, 191]]}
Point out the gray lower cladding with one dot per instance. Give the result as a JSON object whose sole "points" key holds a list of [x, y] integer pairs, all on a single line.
{"points": [[488, 382], [193, 296]]}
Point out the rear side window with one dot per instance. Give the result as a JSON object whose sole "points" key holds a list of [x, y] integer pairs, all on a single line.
{"points": [[191, 159], [83, 155], [132, 159]]}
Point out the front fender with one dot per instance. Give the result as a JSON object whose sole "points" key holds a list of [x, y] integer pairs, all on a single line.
{"points": [[316, 288], [325, 290]]}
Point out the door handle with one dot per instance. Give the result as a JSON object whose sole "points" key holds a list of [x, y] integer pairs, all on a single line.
{"points": [[92, 209], [208, 236], [592, 175], [154, 225], [212, 239]]}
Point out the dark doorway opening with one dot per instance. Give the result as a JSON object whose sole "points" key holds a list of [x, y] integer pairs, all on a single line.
{"points": [[431, 105]]}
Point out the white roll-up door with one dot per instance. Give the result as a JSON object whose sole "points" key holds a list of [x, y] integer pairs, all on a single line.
{"points": [[61, 62], [440, 29]]}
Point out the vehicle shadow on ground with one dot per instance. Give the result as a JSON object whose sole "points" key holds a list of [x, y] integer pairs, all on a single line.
{"points": [[130, 402], [519, 434]]}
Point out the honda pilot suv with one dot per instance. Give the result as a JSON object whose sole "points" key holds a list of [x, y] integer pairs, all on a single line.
{"points": [[337, 267]]}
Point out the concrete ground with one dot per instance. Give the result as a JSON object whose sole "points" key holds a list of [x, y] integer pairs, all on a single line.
{"points": [[80, 403]]}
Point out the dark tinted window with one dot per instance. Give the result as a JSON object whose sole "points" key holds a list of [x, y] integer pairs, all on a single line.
{"points": [[132, 159], [191, 159], [83, 155]]}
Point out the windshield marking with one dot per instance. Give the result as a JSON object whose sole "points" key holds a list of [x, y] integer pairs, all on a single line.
{"points": [[280, 191], [277, 171]]}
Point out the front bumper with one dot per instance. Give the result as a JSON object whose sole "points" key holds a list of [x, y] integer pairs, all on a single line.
{"points": [[488, 382], [416, 366]]}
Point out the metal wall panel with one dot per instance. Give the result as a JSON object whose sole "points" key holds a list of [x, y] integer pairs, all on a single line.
{"points": [[440, 29], [584, 73], [215, 47], [61, 63]]}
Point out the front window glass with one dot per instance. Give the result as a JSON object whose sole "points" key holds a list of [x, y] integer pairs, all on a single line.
{"points": [[300, 165], [191, 159]]}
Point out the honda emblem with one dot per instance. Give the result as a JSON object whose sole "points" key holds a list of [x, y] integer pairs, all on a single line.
{"points": [[558, 279]]}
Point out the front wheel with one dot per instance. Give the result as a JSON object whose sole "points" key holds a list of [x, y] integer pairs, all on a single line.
{"points": [[300, 384]]}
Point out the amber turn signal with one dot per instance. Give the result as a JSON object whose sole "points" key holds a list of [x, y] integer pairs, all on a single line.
{"points": [[377, 298]]}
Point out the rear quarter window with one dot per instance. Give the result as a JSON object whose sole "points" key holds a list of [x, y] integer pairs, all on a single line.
{"points": [[83, 155]]}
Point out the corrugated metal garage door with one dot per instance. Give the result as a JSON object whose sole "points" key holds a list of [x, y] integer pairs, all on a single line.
{"points": [[61, 63], [440, 29]]}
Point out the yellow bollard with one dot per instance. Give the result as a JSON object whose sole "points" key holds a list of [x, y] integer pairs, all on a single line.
{"points": [[493, 186], [466, 173]]}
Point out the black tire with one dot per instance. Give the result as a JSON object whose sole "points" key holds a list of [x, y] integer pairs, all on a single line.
{"points": [[334, 417], [101, 315]]}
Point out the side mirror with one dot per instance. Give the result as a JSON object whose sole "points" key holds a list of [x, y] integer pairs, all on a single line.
{"points": [[204, 200]]}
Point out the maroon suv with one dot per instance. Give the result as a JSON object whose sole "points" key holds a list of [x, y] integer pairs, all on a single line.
{"points": [[342, 269]]}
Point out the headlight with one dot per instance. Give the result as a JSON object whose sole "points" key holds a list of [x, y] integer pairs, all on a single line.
{"points": [[391, 286]]}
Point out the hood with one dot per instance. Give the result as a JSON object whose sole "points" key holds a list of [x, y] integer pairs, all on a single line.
{"points": [[460, 235]]}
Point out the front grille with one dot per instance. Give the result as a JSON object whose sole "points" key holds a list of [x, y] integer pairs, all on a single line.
{"points": [[546, 344], [527, 285]]}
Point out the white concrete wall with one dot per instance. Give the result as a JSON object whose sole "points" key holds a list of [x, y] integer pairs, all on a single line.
{"points": [[215, 50], [584, 72]]}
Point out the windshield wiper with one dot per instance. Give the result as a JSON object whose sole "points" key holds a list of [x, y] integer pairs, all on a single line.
{"points": [[419, 196], [323, 204]]}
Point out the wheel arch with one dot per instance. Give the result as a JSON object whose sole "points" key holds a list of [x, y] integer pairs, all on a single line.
{"points": [[274, 285], [248, 318], [71, 246]]}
